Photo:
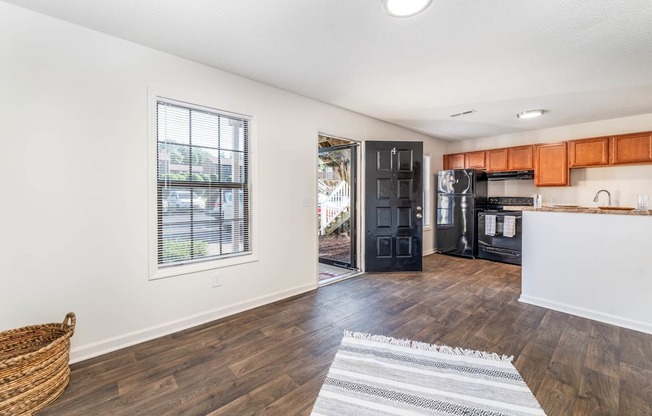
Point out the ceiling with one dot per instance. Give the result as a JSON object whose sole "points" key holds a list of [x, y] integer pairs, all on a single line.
{"points": [[579, 60]]}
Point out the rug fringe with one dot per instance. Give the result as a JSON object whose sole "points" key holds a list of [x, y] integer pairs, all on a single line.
{"points": [[444, 349]]}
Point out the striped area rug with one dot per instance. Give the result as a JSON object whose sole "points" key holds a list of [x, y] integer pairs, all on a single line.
{"points": [[377, 375]]}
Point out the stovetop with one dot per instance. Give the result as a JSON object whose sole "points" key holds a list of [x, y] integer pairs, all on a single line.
{"points": [[497, 202]]}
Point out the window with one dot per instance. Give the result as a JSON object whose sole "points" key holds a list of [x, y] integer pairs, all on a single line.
{"points": [[202, 184], [426, 190]]}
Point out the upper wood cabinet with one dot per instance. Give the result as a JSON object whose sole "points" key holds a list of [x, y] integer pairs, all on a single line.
{"points": [[510, 158], [497, 160], [520, 157], [551, 165], [475, 160], [552, 162], [454, 161], [631, 148], [588, 152]]}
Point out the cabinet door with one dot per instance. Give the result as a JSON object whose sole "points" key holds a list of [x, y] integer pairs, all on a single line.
{"points": [[475, 160], [497, 160], [521, 157], [588, 152], [454, 161], [551, 165], [631, 148]]}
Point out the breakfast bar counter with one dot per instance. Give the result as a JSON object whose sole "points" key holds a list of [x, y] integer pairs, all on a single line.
{"points": [[595, 266], [576, 209]]}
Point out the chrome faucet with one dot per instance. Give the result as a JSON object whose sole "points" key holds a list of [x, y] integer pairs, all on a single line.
{"points": [[598, 194]]}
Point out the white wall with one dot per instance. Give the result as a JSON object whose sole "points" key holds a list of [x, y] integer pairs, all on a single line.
{"points": [[624, 182], [74, 209]]}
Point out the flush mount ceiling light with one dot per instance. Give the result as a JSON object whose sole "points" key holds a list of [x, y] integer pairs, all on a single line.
{"points": [[405, 8], [530, 114]]}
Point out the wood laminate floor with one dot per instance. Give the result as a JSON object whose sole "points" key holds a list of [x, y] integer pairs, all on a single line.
{"points": [[272, 360]]}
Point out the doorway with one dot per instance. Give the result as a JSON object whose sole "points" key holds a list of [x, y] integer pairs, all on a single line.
{"points": [[336, 208]]}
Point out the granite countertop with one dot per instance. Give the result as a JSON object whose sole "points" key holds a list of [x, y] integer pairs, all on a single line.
{"points": [[580, 210]]}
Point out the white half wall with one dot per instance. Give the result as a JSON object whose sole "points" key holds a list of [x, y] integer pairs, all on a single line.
{"points": [[74, 211], [592, 265]]}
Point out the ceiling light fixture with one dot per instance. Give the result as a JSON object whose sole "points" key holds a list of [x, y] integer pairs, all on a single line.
{"points": [[405, 8], [530, 114]]}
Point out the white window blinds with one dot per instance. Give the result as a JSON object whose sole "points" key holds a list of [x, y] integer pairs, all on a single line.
{"points": [[203, 198]]}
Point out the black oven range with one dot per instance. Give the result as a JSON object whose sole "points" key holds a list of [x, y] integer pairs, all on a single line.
{"points": [[500, 230]]}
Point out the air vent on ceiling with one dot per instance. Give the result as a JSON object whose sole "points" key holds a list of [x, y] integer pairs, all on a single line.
{"points": [[463, 113]]}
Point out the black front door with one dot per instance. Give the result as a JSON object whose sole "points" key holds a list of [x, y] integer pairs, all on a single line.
{"points": [[393, 206]]}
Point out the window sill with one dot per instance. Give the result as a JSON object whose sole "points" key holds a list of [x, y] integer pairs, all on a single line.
{"points": [[184, 269]]}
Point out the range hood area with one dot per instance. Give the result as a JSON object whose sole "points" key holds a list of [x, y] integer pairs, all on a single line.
{"points": [[518, 175]]}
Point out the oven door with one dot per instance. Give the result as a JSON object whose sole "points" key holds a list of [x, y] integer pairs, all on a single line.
{"points": [[499, 254], [498, 240]]}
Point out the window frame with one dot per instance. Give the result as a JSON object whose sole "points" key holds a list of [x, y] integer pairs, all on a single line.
{"points": [[159, 271], [427, 180]]}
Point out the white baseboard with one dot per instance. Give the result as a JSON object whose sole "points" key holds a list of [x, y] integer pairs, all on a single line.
{"points": [[428, 252], [589, 313], [84, 352]]}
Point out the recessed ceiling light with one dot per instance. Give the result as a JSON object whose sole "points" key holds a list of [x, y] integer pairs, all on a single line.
{"points": [[530, 114], [405, 8]]}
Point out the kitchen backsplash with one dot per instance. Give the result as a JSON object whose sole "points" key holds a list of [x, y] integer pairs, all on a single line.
{"points": [[623, 182]]}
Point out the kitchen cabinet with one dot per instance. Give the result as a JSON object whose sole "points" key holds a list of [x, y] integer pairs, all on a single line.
{"points": [[588, 152], [475, 160], [551, 165], [520, 157], [631, 148], [510, 158], [454, 161], [497, 160], [552, 162]]}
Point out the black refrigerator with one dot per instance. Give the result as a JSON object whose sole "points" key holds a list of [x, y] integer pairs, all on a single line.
{"points": [[461, 194]]}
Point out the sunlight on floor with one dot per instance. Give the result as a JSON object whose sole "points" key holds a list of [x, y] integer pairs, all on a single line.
{"points": [[330, 274]]}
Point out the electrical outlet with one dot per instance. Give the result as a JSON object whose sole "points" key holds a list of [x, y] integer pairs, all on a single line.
{"points": [[554, 199], [215, 280]]}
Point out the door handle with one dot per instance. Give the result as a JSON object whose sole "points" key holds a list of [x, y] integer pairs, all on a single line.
{"points": [[418, 207], [419, 215]]}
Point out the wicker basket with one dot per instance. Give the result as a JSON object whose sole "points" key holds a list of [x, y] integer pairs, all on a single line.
{"points": [[34, 366]]}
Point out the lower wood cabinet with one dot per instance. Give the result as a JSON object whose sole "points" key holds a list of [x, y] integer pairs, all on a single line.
{"points": [[551, 165], [631, 148]]}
